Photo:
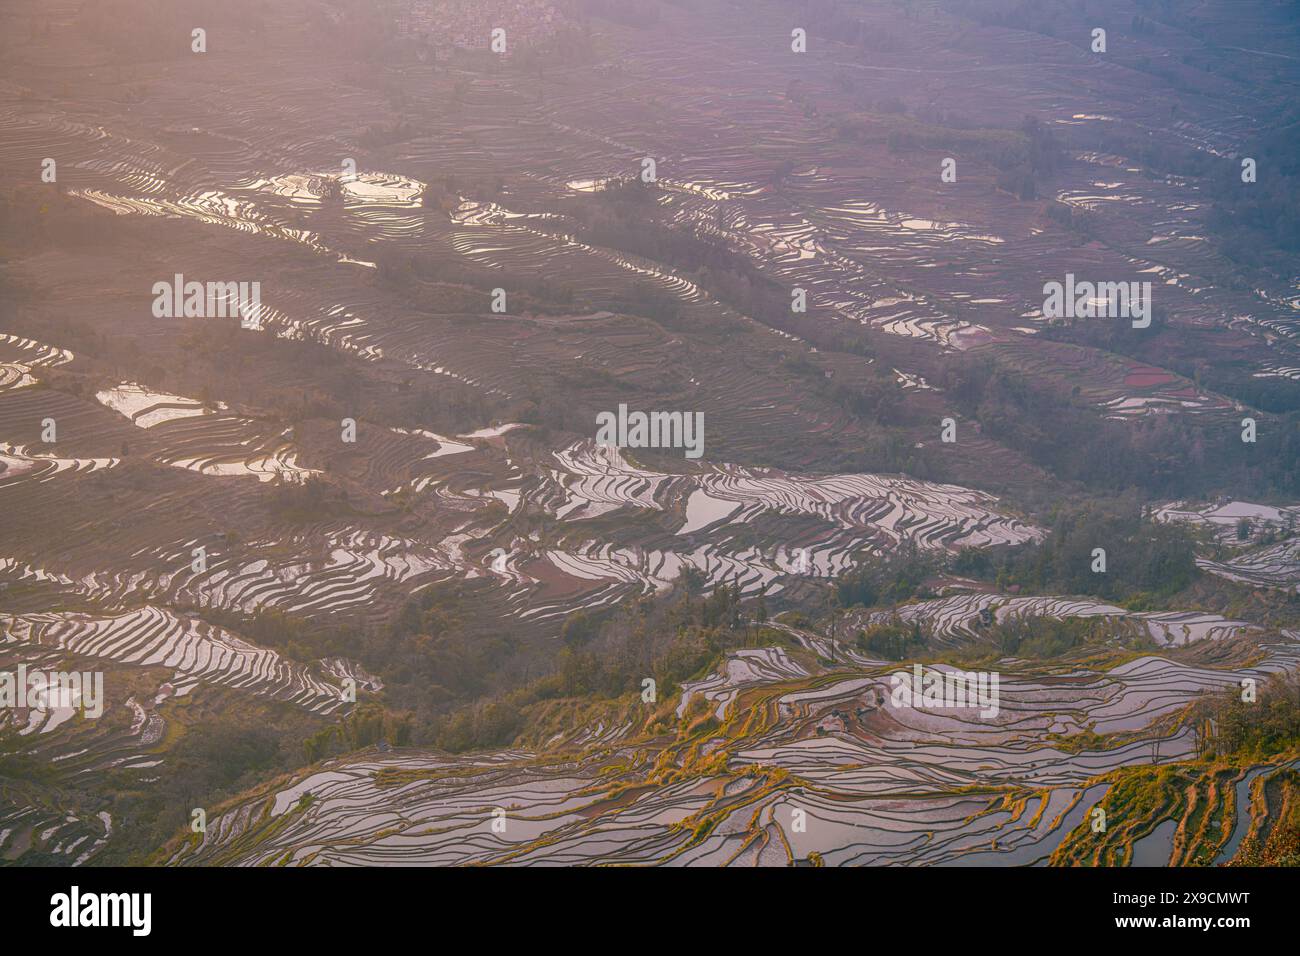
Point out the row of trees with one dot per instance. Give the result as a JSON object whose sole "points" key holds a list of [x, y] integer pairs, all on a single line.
{"points": [[1259, 728], [1142, 556]]}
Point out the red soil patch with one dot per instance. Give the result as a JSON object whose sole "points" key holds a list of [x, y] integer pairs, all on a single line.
{"points": [[1147, 376]]}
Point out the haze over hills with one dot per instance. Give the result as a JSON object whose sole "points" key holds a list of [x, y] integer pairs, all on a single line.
{"points": [[557, 431]]}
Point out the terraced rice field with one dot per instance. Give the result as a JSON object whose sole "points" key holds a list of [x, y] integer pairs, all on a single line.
{"points": [[22, 355], [196, 652], [665, 521], [798, 762], [1249, 534], [378, 431], [952, 620]]}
